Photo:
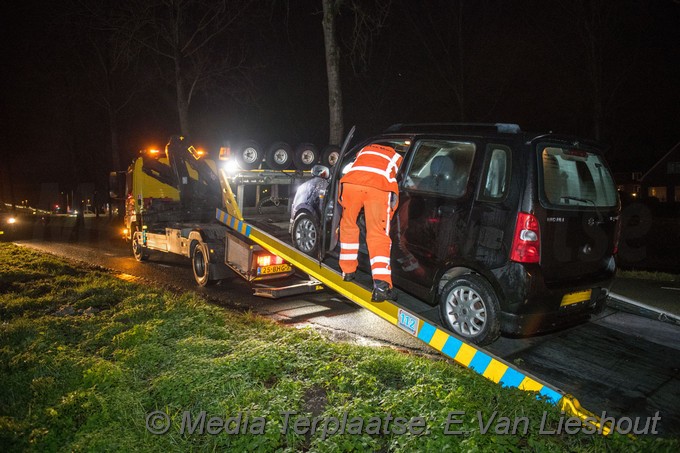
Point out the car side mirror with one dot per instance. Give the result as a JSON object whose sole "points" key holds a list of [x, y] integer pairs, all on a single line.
{"points": [[321, 171]]}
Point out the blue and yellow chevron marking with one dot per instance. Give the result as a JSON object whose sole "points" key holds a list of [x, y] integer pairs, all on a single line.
{"points": [[489, 366], [233, 223]]}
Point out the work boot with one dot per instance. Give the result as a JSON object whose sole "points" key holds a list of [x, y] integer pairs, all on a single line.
{"points": [[348, 277], [382, 291]]}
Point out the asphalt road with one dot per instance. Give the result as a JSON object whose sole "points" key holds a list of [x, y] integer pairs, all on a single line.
{"points": [[620, 363]]}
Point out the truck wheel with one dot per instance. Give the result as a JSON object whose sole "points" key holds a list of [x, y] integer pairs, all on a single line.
{"points": [[305, 234], [140, 252], [279, 156], [469, 307], [249, 155], [306, 155], [200, 263], [330, 155]]}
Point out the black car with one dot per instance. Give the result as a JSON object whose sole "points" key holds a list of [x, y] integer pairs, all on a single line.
{"points": [[507, 231]]}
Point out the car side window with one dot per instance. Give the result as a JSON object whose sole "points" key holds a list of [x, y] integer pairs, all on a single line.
{"points": [[496, 175], [441, 167]]}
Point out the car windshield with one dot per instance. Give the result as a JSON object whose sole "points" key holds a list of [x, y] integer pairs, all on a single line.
{"points": [[574, 177]]}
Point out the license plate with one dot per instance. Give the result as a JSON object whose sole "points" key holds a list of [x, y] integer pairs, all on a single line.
{"points": [[274, 269], [575, 298]]}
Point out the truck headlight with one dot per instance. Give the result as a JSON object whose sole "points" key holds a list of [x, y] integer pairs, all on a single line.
{"points": [[11, 220], [230, 167]]}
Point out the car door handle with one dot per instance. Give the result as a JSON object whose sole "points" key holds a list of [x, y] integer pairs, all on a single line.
{"points": [[445, 210]]}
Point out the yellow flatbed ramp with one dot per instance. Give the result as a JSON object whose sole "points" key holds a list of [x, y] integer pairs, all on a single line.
{"points": [[462, 352]]}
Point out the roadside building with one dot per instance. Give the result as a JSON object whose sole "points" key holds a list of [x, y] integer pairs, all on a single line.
{"points": [[628, 183], [662, 181]]}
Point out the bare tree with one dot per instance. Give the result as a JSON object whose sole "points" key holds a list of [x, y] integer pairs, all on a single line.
{"points": [[188, 37], [112, 63], [459, 40], [330, 10], [369, 18], [601, 26]]}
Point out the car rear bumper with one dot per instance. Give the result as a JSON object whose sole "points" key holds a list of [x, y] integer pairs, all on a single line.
{"points": [[532, 323], [530, 306]]}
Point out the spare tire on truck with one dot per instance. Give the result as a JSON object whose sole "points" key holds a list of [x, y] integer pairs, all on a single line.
{"points": [[279, 156], [330, 155], [306, 155], [249, 154]]}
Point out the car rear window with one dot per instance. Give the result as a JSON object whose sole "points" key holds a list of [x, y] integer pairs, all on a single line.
{"points": [[574, 177]]}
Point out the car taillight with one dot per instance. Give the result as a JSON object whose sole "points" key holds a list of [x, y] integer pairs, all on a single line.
{"points": [[268, 260], [526, 242]]}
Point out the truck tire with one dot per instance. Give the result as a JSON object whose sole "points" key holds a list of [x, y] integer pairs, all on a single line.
{"points": [[279, 156], [200, 263], [139, 251], [469, 307], [330, 155], [249, 155], [306, 155]]}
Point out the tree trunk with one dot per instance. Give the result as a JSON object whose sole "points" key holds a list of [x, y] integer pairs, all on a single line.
{"points": [[333, 71], [182, 101], [115, 152]]}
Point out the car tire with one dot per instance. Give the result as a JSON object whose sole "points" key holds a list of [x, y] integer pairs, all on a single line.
{"points": [[306, 155], [469, 307], [279, 156], [139, 251], [200, 263], [305, 234], [330, 155], [249, 155]]}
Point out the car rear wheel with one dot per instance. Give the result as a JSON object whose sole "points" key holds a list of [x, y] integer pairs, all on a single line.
{"points": [[469, 307], [306, 234]]}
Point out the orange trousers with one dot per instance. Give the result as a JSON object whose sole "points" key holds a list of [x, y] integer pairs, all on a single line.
{"points": [[378, 213]]}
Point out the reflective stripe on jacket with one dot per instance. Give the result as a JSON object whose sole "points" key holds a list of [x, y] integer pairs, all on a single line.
{"points": [[375, 166]]}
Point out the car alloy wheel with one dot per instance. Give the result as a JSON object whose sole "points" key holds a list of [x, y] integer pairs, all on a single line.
{"points": [[469, 307], [305, 234]]}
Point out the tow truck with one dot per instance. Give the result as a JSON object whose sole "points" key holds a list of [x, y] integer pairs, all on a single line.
{"points": [[250, 237], [170, 200]]}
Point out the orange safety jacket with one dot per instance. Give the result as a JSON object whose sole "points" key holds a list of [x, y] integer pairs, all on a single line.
{"points": [[374, 160]]}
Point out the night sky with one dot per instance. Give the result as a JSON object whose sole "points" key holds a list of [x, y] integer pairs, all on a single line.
{"points": [[524, 62]]}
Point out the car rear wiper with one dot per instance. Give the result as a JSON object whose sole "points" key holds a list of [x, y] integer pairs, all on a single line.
{"points": [[582, 200]]}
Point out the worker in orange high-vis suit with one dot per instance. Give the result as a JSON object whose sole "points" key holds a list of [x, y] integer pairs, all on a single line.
{"points": [[370, 183]]}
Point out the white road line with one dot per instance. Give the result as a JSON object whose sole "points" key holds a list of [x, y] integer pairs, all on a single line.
{"points": [[670, 287]]}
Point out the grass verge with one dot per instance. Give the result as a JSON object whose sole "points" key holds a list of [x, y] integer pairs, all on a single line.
{"points": [[84, 358]]}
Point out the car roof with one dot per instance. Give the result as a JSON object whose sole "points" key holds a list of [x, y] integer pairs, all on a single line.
{"points": [[508, 131], [457, 128]]}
